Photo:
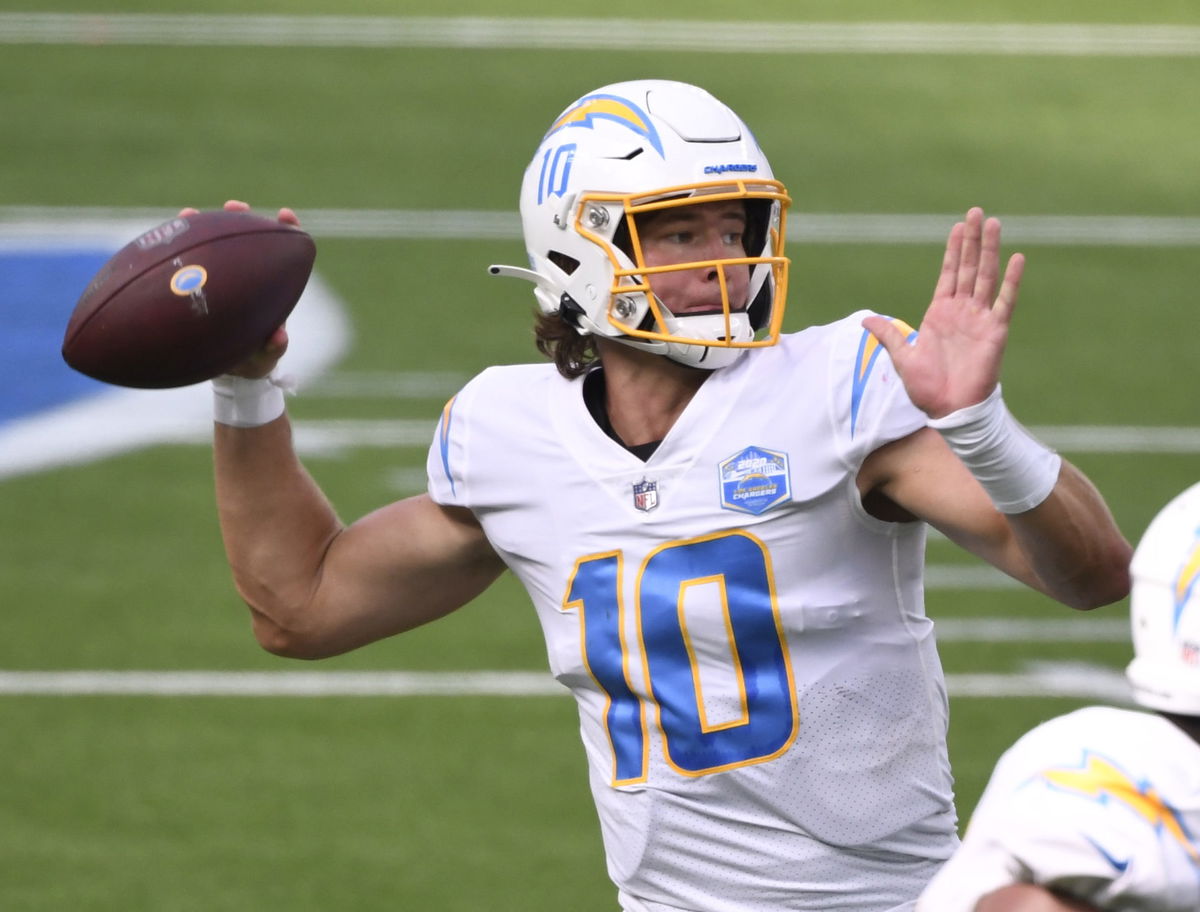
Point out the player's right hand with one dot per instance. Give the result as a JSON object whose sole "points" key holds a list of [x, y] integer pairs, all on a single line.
{"points": [[263, 361]]}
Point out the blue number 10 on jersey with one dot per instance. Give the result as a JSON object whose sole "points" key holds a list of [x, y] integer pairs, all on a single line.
{"points": [[728, 570]]}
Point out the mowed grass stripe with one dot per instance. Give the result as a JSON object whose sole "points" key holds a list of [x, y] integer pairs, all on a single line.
{"points": [[1066, 39]]}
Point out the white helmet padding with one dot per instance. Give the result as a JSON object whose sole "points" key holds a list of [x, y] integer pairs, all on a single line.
{"points": [[1165, 609], [626, 151]]}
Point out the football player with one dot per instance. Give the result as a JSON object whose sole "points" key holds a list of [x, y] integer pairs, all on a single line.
{"points": [[721, 526], [1100, 808]]}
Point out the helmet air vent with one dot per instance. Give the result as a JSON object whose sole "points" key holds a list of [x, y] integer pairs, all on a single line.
{"points": [[690, 112]]}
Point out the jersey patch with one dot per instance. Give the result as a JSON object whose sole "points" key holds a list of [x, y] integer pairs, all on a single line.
{"points": [[754, 480]]}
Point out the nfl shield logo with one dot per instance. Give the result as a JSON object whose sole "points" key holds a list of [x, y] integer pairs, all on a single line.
{"points": [[645, 495]]}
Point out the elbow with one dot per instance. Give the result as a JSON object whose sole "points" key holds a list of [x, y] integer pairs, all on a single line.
{"points": [[284, 621], [1101, 593], [282, 643], [289, 641], [1107, 581]]}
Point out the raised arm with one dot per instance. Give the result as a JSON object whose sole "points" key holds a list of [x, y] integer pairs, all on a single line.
{"points": [[316, 587], [978, 476]]}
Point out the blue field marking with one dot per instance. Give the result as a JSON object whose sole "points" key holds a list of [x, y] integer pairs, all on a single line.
{"points": [[51, 415], [38, 291]]}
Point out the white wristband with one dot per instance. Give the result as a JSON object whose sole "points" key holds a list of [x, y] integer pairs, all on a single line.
{"points": [[1016, 470], [245, 403]]}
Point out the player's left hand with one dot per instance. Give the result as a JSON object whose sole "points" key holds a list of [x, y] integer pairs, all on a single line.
{"points": [[955, 360]]}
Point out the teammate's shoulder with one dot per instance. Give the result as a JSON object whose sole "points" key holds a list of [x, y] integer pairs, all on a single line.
{"points": [[1087, 717], [1069, 736]]}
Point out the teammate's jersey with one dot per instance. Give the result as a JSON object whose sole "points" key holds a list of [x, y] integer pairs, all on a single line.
{"points": [[760, 698], [1101, 803]]}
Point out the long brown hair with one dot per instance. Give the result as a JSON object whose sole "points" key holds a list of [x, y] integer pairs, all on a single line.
{"points": [[571, 352]]}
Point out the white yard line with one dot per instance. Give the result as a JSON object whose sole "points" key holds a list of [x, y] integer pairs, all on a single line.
{"points": [[1078, 680], [1059, 39], [1045, 679], [1082, 629], [280, 683], [334, 436], [65, 225], [1119, 438]]}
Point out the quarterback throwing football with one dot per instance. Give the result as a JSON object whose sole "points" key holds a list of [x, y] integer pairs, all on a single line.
{"points": [[728, 563]]}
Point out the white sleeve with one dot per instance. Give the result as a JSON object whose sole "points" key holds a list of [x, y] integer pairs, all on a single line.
{"points": [[871, 406], [446, 464]]}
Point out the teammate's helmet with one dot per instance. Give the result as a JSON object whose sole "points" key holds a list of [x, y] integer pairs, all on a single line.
{"points": [[617, 155], [1165, 671]]}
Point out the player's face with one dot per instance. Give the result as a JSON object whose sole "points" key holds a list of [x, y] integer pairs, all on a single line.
{"points": [[687, 234]]}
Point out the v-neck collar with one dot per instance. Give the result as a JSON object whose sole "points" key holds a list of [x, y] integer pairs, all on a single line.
{"points": [[594, 386], [601, 451]]}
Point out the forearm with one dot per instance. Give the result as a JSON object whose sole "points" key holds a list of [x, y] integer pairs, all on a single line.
{"points": [[1058, 520], [1072, 544], [276, 523]]}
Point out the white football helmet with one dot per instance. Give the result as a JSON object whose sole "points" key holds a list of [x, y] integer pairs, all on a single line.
{"points": [[618, 154], [1165, 609]]}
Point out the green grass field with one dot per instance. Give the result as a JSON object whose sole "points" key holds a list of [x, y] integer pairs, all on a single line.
{"points": [[456, 803]]}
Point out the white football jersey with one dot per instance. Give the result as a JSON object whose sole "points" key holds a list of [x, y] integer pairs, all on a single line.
{"points": [[1102, 803], [760, 698]]}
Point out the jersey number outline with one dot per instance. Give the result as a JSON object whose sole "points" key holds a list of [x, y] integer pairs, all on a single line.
{"points": [[739, 565]]}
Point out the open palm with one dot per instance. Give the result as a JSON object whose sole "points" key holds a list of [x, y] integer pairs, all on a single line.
{"points": [[955, 360]]}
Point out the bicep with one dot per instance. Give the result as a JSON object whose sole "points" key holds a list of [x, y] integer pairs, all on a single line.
{"points": [[399, 567]]}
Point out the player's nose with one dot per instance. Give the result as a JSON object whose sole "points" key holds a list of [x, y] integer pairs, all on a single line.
{"points": [[714, 247]]}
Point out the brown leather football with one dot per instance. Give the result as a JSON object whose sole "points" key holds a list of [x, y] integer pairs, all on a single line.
{"points": [[188, 300]]}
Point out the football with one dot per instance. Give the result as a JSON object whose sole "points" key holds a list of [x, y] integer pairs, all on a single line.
{"points": [[188, 300]]}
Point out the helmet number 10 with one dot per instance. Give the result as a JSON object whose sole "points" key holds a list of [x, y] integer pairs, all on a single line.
{"points": [[556, 172]]}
